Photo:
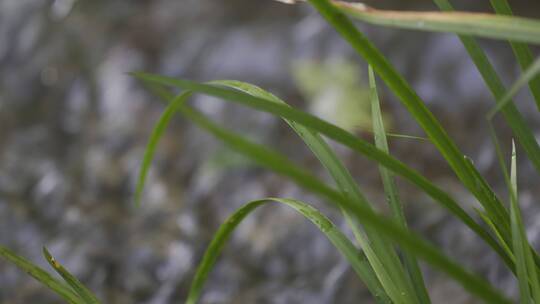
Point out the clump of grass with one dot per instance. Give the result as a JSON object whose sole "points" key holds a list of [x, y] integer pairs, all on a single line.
{"points": [[386, 255]]}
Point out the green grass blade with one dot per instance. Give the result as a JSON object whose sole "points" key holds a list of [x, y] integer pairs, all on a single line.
{"points": [[511, 114], [521, 50], [339, 135], [436, 133], [498, 152], [385, 262], [85, 294], [385, 276], [314, 141], [152, 144], [526, 269], [488, 221], [464, 23], [404, 136], [391, 230], [507, 179], [528, 75], [357, 260], [391, 190], [41, 276], [518, 238], [429, 253]]}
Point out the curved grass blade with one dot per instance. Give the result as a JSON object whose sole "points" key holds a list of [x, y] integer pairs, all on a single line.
{"points": [[391, 230], [391, 190], [85, 294], [159, 128], [346, 248], [463, 23], [41, 276], [339, 240], [521, 50], [379, 251], [339, 135], [528, 75]]}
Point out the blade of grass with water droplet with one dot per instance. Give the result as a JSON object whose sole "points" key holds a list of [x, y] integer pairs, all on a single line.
{"points": [[337, 134], [511, 114], [85, 294], [357, 260], [391, 190], [41, 276]]}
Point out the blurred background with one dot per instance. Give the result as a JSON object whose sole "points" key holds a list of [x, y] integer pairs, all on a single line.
{"points": [[73, 127]]}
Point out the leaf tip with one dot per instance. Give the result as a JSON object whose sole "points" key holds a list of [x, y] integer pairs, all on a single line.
{"points": [[54, 263]]}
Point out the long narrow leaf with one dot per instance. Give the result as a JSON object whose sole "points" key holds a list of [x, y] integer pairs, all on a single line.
{"points": [[338, 135], [518, 238], [489, 222], [504, 242], [475, 24], [83, 292], [526, 269], [152, 144], [41, 276], [391, 190]]}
